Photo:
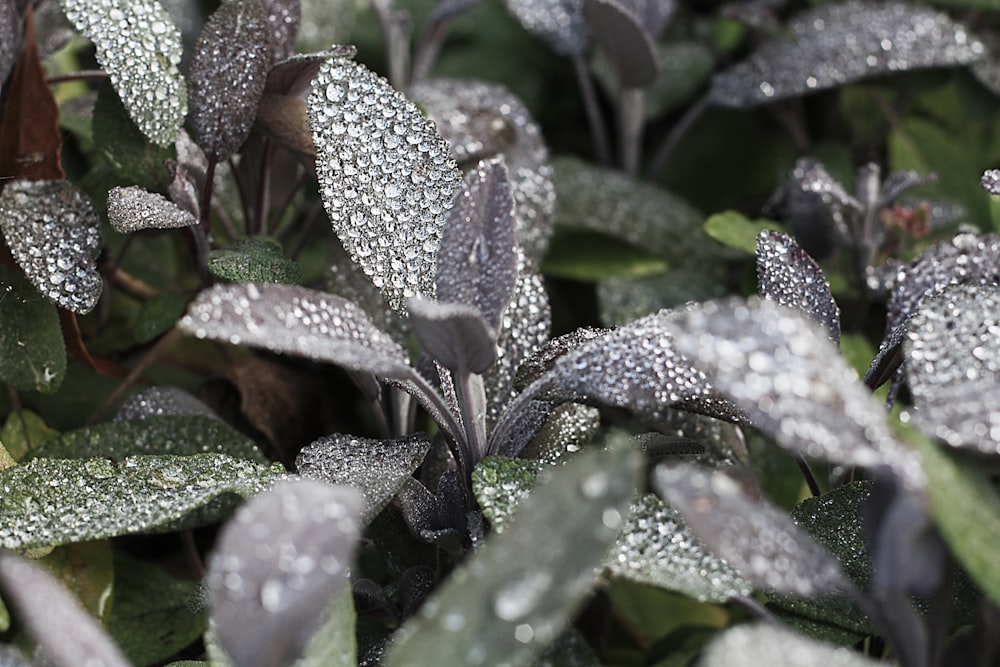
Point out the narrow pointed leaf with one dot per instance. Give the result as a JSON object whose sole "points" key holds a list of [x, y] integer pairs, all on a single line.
{"points": [[376, 468], [295, 320], [787, 275], [387, 185], [32, 352], [783, 370], [841, 43], [283, 19], [624, 36], [140, 48], [277, 567], [760, 541], [131, 209], [54, 235], [477, 262], [559, 23], [455, 335], [66, 634], [228, 73], [57, 501], [514, 596], [254, 260], [762, 645]]}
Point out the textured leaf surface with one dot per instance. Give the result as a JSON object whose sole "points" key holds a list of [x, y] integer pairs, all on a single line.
{"points": [[10, 37], [54, 234], [66, 634], [787, 275], [759, 540], [254, 260], [622, 300], [622, 33], [377, 468], [228, 73], [140, 48], [569, 427], [513, 596], [482, 120], [737, 231], [57, 501], [500, 484], [840, 43], [657, 548], [283, 19], [132, 208], [295, 320], [386, 177], [162, 401], [455, 335], [783, 370], [761, 645], [32, 352], [560, 23], [277, 567]]}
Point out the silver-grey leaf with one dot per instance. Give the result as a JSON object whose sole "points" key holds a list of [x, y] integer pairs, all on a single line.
{"points": [[10, 37], [376, 468], [482, 120], [568, 429], [132, 208], [760, 541], [277, 567], [783, 370], [560, 23], [386, 176], [991, 181], [786, 274], [296, 320], [840, 43], [454, 335], [624, 36], [54, 235], [293, 74], [66, 634], [283, 18], [818, 208], [763, 645], [477, 261], [953, 362], [228, 73], [139, 47], [658, 549], [162, 401]]}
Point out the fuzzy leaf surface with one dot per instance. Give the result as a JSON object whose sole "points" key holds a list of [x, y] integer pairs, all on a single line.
{"points": [[32, 351], [559, 23], [254, 260], [161, 401], [500, 484], [622, 33], [760, 645], [132, 208], [283, 20], [453, 334], [10, 36]]}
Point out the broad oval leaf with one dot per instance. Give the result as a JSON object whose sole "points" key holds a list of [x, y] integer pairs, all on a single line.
{"points": [[66, 634], [559, 23], [32, 351], [787, 275], [386, 177], [624, 36], [783, 370], [162, 401], [277, 567], [296, 320], [762, 645], [54, 235], [516, 593], [760, 541], [258, 259], [840, 43], [228, 73], [376, 468], [132, 208], [140, 48], [454, 335], [57, 501]]}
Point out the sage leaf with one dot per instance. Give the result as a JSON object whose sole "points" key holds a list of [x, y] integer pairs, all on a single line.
{"points": [[735, 230], [10, 37], [761, 645], [334, 644], [254, 260], [162, 401], [54, 235], [567, 429], [455, 335], [32, 351], [516, 593], [131, 209], [228, 72], [624, 36], [283, 20], [277, 567], [57, 501], [295, 320], [139, 47], [559, 23], [621, 299], [386, 185], [500, 484]]}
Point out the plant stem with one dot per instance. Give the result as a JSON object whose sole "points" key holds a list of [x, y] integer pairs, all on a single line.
{"points": [[677, 133], [593, 108], [807, 472], [428, 50], [83, 75], [472, 403], [395, 26], [630, 112], [259, 219]]}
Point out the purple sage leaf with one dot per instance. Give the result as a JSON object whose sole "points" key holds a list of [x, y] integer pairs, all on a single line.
{"points": [[160, 402], [454, 334], [228, 72], [283, 19], [293, 75], [296, 320], [559, 23], [276, 567], [132, 208], [786, 274], [54, 235], [622, 33], [10, 37]]}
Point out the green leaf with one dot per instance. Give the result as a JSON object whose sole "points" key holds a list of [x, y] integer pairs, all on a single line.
{"points": [[515, 594], [23, 432], [32, 352], [590, 257], [500, 484], [254, 260], [86, 571], [334, 644], [58, 501], [158, 315], [761, 645], [159, 434], [151, 614], [735, 230], [133, 158]]}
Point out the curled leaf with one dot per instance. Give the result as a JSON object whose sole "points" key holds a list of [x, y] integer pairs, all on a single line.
{"points": [[624, 36], [132, 208], [455, 335]]}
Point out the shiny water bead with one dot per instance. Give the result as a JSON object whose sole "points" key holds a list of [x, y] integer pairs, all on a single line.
{"points": [[162, 401], [560, 23], [133, 208], [778, 647], [991, 181], [481, 120], [953, 366], [140, 48], [54, 235], [386, 176], [839, 43], [283, 17]]}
